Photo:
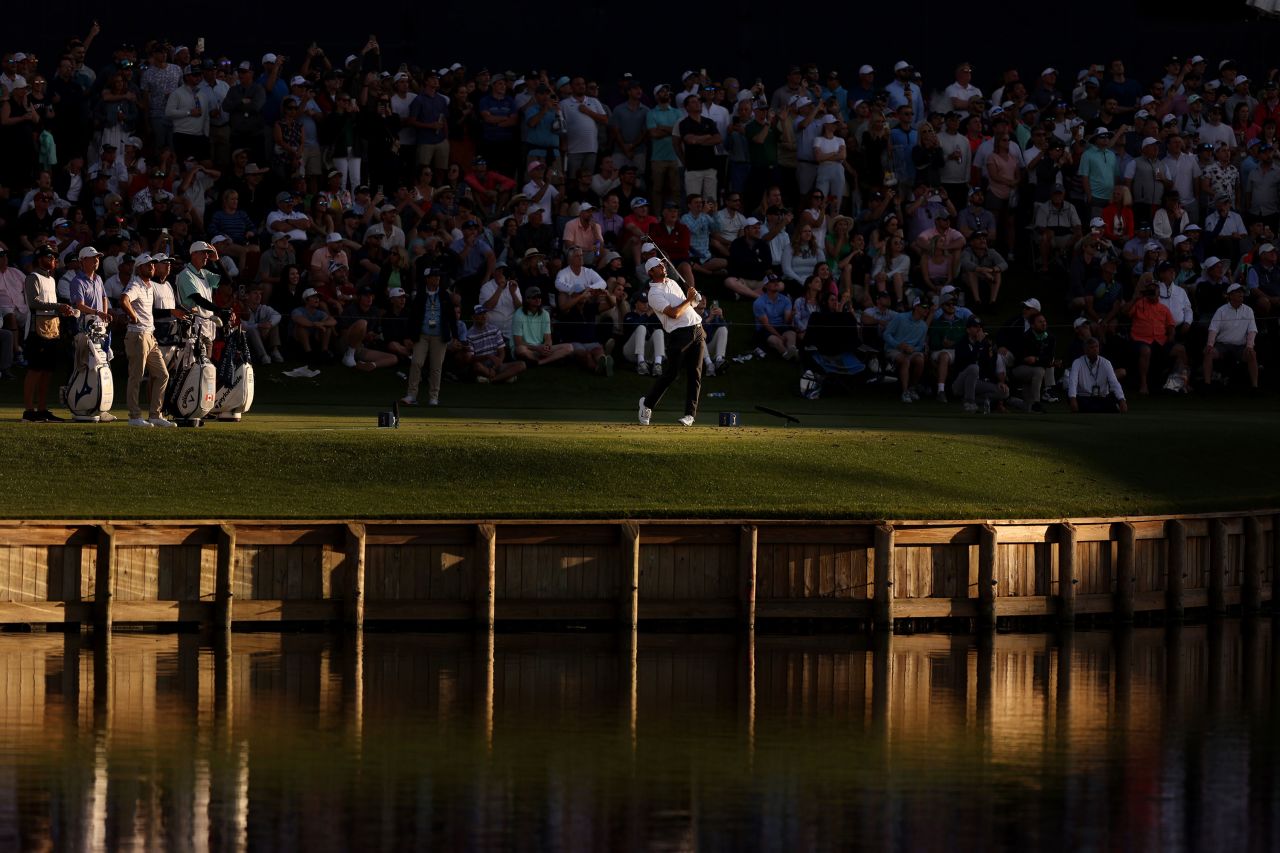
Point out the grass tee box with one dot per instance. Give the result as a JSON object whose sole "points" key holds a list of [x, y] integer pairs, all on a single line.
{"points": [[850, 458]]}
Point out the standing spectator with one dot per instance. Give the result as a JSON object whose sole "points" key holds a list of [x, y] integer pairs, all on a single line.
{"points": [[664, 157], [243, 105], [188, 120], [433, 326], [429, 115], [699, 137], [583, 116], [1098, 169], [628, 126], [159, 79]]}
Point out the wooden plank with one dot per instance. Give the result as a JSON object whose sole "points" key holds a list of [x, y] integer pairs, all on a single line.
{"points": [[486, 575], [1022, 534], [44, 612], [1255, 556], [420, 610], [332, 535], [1125, 573], [589, 611], [815, 608], [949, 535], [159, 612], [224, 579], [1217, 565], [786, 533], [46, 534], [935, 608], [884, 594], [987, 542], [629, 605], [104, 578], [1066, 574], [268, 610], [355, 550], [748, 544]]}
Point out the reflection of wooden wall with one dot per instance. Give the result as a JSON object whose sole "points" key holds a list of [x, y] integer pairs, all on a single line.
{"points": [[317, 571]]}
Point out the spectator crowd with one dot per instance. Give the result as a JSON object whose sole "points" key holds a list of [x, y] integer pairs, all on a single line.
{"points": [[476, 223]]}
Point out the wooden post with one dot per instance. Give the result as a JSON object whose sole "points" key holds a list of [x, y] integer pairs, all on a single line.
{"points": [[223, 597], [355, 581], [987, 576], [105, 578], [486, 569], [629, 605], [1217, 566], [1066, 574], [1255, 556], [1175, 533], [883, 585], [1124, 571], [748, 539]]}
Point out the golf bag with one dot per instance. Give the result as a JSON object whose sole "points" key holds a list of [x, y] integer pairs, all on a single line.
{"points": [[192, 377], [91, 390], [235, 377]]}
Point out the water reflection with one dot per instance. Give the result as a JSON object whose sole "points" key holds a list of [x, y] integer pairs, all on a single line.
{"points": [[1150, 739]]}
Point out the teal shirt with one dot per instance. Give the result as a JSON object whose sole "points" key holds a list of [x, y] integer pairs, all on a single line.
{"points": [[663, 149], [532, 328], [1100, 167]]}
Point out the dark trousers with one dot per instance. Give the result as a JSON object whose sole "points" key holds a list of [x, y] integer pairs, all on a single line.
{"points": [[686, 347]]}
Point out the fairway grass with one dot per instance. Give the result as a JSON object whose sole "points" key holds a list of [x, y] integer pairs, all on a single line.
{"points": [[479, 456]]}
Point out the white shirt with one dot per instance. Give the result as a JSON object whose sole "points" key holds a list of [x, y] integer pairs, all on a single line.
{"points": [[211, 98], [581, 134], [400, 106], [1215, 133], [178, 107], [1178, 303], [955, 171], [394, 239], [1093, 379], [548, 199], [280, 216], [507, 305], [164, 297], [141, 295], [13, 294], [962, 93], [1183, 170], [731, 224], [667, 294], [567, 281], [721, 117], [1231, 325]]}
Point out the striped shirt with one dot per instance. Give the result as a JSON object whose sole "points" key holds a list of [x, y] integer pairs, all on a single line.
{"points": [[485, 339]]}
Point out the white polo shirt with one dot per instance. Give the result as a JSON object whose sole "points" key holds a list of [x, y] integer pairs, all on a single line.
{"points": [[667, 294], [1230, 325]]}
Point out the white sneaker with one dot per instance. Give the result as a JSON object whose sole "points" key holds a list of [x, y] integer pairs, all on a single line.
{"points": [[161, 422], [657, 368], [408, 400], [349, 360], [971, 408], [790, 353], [906, 397], [642, 368], [482, 380], [645, 413], [277, 357], [139, 422], [106, 418], [433, 401], [687, 420], [708, 369]]}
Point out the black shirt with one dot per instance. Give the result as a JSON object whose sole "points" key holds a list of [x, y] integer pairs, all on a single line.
{"points": [[698, 157]]}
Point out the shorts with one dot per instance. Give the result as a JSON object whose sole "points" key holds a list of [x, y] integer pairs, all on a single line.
{"points": [[1161, 350], [1234, 352], [762, 335], [753, 283], [936, 354], [42, 353], [436, 156]]}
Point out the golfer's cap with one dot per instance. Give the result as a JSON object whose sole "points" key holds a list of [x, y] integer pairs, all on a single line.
{"points": [[1163, 267], [310, 292], [200, 246], [532, 253], [972, 321], [947, 294], [866, 69], [60, 222], [387, 208], [651, 263], [1150, 140], [45, 251], [1212, 261], [647, 247], [639, 201], [479, 309], [800, 102], [1031, 303], [750, 222], [1266, 247], [1169, 118], [642, 296], [827, 119], [1197, 59], [144, 258], [395, 293], [1192, 227], [88, 252], [281, 235], [160, 258], [268, 57], [533, 293], [901, 65]]}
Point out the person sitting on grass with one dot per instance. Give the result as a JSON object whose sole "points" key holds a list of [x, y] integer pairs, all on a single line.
{"points": [[1152, 335], [361, 328], [644, 342], [312, 326], [946, 331], [980, 374], [1092, 384], [717, 331], [1104, 301], [531, 332], [773, 313], [1232, 333], [1035, 362], [580, 295], [395, 328], [486, 351], [904, 341]]}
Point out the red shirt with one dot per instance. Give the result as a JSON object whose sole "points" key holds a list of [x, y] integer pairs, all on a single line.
{"points": [[675, 243]]}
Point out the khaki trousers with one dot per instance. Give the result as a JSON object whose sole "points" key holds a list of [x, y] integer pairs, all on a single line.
{"points": [[143, 353]]}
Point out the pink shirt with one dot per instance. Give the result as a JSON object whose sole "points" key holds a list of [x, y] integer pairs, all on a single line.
{"points": [[587, 238]]}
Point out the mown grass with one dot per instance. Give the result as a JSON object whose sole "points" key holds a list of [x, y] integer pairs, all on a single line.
{"points": [[564, 444]]}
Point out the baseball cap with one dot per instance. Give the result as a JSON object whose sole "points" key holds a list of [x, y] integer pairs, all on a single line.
{"points": [[647, 247], [88, 252], [750, 222], [866, 69], [297, 80], [972, 321], [334, 266], [334, 237], [651, 263], [1266, 247], [283, 196], [45, 251], [395, 292], [1150, 140], [1097, 222], [639, 201], [268, 57], [310, 292], [1080, 321], [220, 238], [200, 246], [901, 65], [1233, 288], [533, 293], [532, 253], [1212, 261], [144, 258], [1031, 303], [1048, 71], [479, 309], [1101, 132]]}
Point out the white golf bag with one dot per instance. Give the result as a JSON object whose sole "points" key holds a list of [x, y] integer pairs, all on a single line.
{"points": [[235, 377], [192, 376], [91, 390]]}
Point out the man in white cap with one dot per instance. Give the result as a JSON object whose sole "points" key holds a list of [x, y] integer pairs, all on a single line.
{"points": [[138, 303], [686, 342], [1098, 168], [904, 92], [195, 285], [331, 251], [1147, 177], [1232, 333]]}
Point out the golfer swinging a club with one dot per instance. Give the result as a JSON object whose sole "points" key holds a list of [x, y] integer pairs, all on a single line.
{"points": [[686, 341]]}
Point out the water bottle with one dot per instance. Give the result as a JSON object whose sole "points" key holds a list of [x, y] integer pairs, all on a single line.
{"points": [[716, 394]]}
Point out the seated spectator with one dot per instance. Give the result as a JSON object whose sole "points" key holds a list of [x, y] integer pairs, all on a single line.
{"points": [[261, 324], [673, 238], [717, 332], [804, 306], [1224, 229], [644, 342], [292, 223], [975, 217], [312, 327], [486, 351], [874, 320], [583, 233], [1152, 334], [1035, 363], [946, 331], [702, 227], [1232, 334], [772, 310], [360, 326], [531, 332], [1118, 217], [1104, 301], [982, 269], [533, 235], [892, 269], [1059, 227], [980, 372], [833, 333], [904, 342], [396, 333], [581, 295], [491, 190], [800, 257], [1092, 384]]}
